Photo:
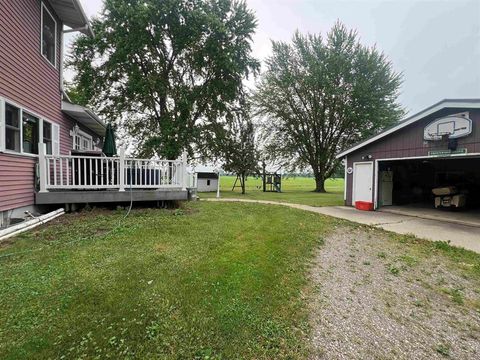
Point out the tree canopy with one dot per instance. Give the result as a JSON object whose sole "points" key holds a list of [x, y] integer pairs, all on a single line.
{"points": [[319, 96], [166, 68]]}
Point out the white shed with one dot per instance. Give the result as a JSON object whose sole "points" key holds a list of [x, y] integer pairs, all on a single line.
{"points": [[207, 181]]}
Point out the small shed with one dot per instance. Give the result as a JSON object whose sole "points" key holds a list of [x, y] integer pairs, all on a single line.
{"points": [[207, 181]]}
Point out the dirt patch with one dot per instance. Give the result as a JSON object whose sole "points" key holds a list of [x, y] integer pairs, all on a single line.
{"points": [[375, 300], [5, 243], [162, 247]]}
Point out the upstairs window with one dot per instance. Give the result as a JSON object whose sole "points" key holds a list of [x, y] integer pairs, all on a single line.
{"points": [[49, 36]]}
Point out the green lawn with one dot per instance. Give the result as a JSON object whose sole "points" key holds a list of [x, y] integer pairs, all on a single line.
{"points": [[210, 281], [224, 281], [294, 190]]}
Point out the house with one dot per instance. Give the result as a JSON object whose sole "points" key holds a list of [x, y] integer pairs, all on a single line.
{"points": [[207, 181], [437, 148], [40, 126], [33, 108]]}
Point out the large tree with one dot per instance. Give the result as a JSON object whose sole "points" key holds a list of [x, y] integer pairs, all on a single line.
{"points": [[164, 68], [320, 95]]}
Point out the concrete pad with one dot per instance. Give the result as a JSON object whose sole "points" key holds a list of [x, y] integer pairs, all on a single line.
{"points": [[464, 217], [457, 234], [361, 217]]}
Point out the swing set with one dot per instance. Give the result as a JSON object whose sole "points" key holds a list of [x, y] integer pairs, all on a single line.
{"points": [[271, 182]]}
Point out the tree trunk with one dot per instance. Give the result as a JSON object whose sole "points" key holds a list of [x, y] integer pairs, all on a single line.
{"points": [[242, 182], [319, 183]]}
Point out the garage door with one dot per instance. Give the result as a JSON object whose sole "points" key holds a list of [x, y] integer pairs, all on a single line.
{"points": [[362, 181]]}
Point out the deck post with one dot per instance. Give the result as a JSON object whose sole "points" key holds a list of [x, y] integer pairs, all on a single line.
{"points": [[42, 166], [184, 171], [122, 170]]}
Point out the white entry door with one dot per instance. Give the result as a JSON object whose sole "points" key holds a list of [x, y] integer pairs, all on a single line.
{"points": [[362, 181]]}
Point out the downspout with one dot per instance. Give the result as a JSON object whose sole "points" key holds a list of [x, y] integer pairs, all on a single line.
{"points": [[62, 49], [30, 224]]}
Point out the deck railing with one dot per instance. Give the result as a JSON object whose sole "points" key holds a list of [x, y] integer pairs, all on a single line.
{"points": [[68, 172]]}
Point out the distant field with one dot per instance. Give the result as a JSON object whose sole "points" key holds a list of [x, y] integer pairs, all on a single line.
{"points": [[294, 190]]}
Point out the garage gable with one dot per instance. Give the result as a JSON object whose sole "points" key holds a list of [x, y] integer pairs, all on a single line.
{"points": [[442, 108]]}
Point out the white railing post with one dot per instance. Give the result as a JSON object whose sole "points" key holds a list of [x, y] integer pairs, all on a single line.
{"points": [[184, 171], [42, 166], [122, 170]]}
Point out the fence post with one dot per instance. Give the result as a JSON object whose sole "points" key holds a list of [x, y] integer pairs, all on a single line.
{"points": [[184, 172], [42, 166], [122, 169]]}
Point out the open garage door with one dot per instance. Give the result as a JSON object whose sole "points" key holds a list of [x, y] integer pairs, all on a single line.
{"points": [[411, 182]]}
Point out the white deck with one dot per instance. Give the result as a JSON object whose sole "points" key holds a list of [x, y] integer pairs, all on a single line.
{"points": [[87, 179]]}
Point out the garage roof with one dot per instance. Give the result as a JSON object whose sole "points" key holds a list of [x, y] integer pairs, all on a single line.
{"points": [[71, 14], [446, 103], [85, 117]]}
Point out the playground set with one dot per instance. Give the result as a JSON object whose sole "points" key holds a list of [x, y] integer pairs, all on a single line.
{"points": [[271, 182]]}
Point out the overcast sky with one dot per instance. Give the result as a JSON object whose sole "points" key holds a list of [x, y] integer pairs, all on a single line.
{"points": [[435, 43]]}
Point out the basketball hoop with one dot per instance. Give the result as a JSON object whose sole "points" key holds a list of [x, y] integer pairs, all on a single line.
{"points": [[447, 128]]}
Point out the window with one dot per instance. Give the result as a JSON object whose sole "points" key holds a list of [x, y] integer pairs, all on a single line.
{"points": [[208, 182], [21, 131], [47, 136], [49, 36], [82, 141], [12, 128], [30, 133]]}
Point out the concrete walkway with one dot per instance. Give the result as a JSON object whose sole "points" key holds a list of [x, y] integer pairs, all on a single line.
{"points": [[459, 235]]}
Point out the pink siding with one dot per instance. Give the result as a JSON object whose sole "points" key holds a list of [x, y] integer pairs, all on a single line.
{"points": [[27, 77], [16, 181], [29, 80]]}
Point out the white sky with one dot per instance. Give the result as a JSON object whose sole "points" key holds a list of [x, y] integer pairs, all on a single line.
{"points": [[435, 43]]}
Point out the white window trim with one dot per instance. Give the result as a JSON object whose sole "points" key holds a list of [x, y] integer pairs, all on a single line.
{"points": [[41, 119], [52, 126], [41, 36], [2, 125], [40, 126]]}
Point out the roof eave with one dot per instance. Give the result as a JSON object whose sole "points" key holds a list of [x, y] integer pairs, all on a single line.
{"points": [[72, 15], [88, 31], [84, 116]]}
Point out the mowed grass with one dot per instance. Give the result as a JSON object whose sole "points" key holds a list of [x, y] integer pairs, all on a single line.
{"points": [[208, 281], [294, 190]]}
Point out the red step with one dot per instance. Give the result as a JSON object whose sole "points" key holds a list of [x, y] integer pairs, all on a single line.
{"points": [[364, 205]]}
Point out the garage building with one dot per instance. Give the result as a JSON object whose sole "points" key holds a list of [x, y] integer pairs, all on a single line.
{"points": [[431, 159]]}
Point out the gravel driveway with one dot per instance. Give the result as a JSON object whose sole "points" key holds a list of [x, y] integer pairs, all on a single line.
{"points": [[378, 298]]}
